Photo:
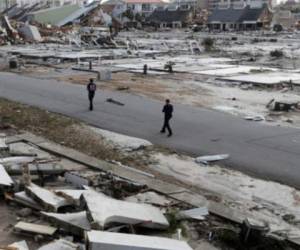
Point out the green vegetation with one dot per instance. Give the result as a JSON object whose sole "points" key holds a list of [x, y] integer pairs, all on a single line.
{"points": [[208, 43]]}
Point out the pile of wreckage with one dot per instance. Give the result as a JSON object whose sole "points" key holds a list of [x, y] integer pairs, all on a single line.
{"points": [[38, 23], [96, 210]]}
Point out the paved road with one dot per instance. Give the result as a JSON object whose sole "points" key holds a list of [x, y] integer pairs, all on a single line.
{"points": [[265, 151]]}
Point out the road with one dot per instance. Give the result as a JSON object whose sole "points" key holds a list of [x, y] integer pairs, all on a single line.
{"points": [[264, 151]]}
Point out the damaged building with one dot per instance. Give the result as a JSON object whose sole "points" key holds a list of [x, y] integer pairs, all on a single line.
{"points": [[171, 17], [237, 16]]}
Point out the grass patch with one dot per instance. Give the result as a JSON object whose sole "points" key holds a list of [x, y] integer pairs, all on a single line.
{"points": [[73, 134], [260, 71], [57, 128]]}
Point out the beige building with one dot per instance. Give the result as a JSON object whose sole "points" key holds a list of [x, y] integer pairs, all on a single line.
{"points": [[285, 18]]}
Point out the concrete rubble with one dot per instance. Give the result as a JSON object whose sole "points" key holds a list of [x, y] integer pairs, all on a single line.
{"points": [[195, 213], [3, 145], [150, 198], [32, 228], [24, 199], [61, 210], [97, 240], [21, 245], [75, 223], [211, 158], [113, 203], [60, 244], [8, 161], [5, 179], [72, 196], [103, 210], [49, 200], [41, 168]]}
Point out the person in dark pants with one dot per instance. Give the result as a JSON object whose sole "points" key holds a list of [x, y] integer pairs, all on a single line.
{"points": [[168, 110], [91, 88]]}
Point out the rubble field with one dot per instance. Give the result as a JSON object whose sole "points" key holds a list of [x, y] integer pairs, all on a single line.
{"points": [[240, 74]]}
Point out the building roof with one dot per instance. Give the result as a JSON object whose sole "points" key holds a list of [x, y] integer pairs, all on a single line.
{"points": [[54, 15], [112, 2], [232, 15], [144, 1], [62, 15], [168, 16]]}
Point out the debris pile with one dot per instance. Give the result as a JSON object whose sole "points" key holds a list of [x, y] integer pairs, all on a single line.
{"points": [[67, 209], [35, 24]]}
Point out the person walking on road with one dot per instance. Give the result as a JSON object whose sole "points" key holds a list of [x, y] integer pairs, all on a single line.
{"points": [[91, 88], [168, 111]]}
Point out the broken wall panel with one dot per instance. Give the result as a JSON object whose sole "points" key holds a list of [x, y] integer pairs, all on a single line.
{"points": [[60, 244], [40, 168], [103, 210], [98, 240], [74, 223], [48, 199], [21, 245], [72, 196], [5, 179], [24, 199], [7, 161]]}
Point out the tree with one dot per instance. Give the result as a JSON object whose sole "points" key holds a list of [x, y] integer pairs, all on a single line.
{"points": [[276, 53], [277, 28]]}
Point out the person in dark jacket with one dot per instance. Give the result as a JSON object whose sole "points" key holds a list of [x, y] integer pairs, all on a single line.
{"points": [[168, 111], [91, 88]]}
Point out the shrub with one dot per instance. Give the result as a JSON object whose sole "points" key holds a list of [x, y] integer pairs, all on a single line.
{"points": [[276, 53], [208, 43]]}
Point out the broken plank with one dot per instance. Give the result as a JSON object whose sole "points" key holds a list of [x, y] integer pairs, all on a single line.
{"points": [[34, 228]]}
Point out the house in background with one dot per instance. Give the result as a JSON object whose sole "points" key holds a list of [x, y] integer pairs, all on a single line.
{"points": [[144, 7], [171, 17], [240, 17]]}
